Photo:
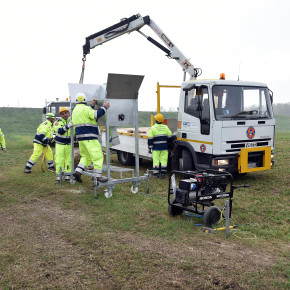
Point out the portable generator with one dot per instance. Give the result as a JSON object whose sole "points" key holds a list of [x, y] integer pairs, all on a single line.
{"points": [[196, 192]]}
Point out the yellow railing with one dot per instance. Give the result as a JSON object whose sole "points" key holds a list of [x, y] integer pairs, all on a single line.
{"points": [[158, 98]]}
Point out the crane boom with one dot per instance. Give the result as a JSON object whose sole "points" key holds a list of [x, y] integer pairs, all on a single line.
{"points": [[135, 23]]}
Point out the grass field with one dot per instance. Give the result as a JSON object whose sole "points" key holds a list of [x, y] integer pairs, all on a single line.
{"points": [[61, 237]]}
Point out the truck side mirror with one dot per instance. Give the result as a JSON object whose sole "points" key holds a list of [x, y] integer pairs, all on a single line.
{"points": [[271, 96], [44, 110]]}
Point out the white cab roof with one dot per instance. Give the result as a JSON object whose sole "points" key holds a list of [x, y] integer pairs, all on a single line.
{"points": [[223, 82]]}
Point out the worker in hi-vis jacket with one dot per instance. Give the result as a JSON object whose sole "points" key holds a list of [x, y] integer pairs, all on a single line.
{"points": [[42, 139], [158, 138], [2, 142], [62, 156], [85, 119]]}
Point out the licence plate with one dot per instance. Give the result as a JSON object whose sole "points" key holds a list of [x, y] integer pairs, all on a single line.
{"points": [[252, 165], [251, 144]]}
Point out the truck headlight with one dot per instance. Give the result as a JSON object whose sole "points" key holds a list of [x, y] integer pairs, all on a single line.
{"points": [[221, 162], [272, 159]]}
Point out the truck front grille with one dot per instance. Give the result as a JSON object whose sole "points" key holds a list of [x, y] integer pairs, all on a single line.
{"points": [[236, 146]]}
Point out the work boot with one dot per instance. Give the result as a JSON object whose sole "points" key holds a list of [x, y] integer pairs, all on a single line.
{"points": [[67, 180], [27, 171], [155, 175], [57, 182], [51, 169], [102, 179], [77, 176]]}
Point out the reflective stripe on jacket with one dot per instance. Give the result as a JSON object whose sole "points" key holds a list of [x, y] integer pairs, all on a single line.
{"points": [[84, 119], [158, 137], [44, 133], [62, 131]]}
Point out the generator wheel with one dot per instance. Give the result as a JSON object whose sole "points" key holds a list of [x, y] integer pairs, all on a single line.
{"points": [[174, 210], [211, 216]]}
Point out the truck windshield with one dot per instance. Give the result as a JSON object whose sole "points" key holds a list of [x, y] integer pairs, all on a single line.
{"points": [[241, 102]]}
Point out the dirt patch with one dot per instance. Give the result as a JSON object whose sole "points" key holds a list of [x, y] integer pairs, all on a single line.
{"points": [[41, 251], [44, 245]]}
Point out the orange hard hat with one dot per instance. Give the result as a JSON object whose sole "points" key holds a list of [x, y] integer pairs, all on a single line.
{"points": [[159, 118], [63, 109]]}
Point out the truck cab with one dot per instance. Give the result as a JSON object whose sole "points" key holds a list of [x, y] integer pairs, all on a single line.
{"points": [[53, 107], [225, 125]]}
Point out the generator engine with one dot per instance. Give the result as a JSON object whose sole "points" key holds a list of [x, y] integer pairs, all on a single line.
{"points": [[211, 183], [203, 184]]}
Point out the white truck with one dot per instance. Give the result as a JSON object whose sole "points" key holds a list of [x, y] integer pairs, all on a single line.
{"points": [[53, 107], [222, 124]]}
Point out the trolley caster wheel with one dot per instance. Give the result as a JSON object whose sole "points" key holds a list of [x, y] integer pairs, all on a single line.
{"points": [[108, 193], [211, 216], [72, 181], [174, 210], [134, 189]]}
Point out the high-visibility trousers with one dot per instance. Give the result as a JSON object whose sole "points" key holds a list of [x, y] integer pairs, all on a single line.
{"points": [[159, 157], [62, 157], [91, 152], [38, 150]]}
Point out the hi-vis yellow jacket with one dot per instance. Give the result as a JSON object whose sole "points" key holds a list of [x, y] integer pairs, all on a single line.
{"points": [[62, 131], [158, 137], [84, 119], [2, 140], [44, 133]]}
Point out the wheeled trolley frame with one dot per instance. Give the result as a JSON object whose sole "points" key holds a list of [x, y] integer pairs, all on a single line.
{"points": [[122, 93]]}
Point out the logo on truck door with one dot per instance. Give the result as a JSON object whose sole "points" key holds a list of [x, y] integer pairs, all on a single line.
{"points": [[202, 148], [251, 132]]}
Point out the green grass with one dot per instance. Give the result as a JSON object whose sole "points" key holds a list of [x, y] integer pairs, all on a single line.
{"points": [[20, 120], [282, 123], [61, 237]]}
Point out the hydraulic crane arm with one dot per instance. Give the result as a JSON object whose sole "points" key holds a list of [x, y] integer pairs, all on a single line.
{"points": [[135, 23]]}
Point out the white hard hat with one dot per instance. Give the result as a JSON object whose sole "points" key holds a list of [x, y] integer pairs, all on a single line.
{"points": [[81, 98]]}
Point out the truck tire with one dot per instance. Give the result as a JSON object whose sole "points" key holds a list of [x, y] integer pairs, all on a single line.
{"points": [[125, 158], [186, 162]]}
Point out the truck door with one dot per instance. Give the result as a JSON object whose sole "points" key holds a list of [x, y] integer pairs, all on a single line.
{"points": [[196, 104]]}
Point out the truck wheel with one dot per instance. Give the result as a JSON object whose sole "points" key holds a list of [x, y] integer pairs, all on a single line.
{"points": [[174, 210], [185, 162], [126, 158], [211, 216]]}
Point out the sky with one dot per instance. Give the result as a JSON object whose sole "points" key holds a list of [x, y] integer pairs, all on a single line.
{"points": [[41, 46]]}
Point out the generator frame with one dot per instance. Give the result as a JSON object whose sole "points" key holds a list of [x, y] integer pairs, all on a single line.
{"points": [[177, 208]]}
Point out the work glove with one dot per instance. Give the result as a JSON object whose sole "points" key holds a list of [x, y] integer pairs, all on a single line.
{"points": [[70, 124], [150, 150]]}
